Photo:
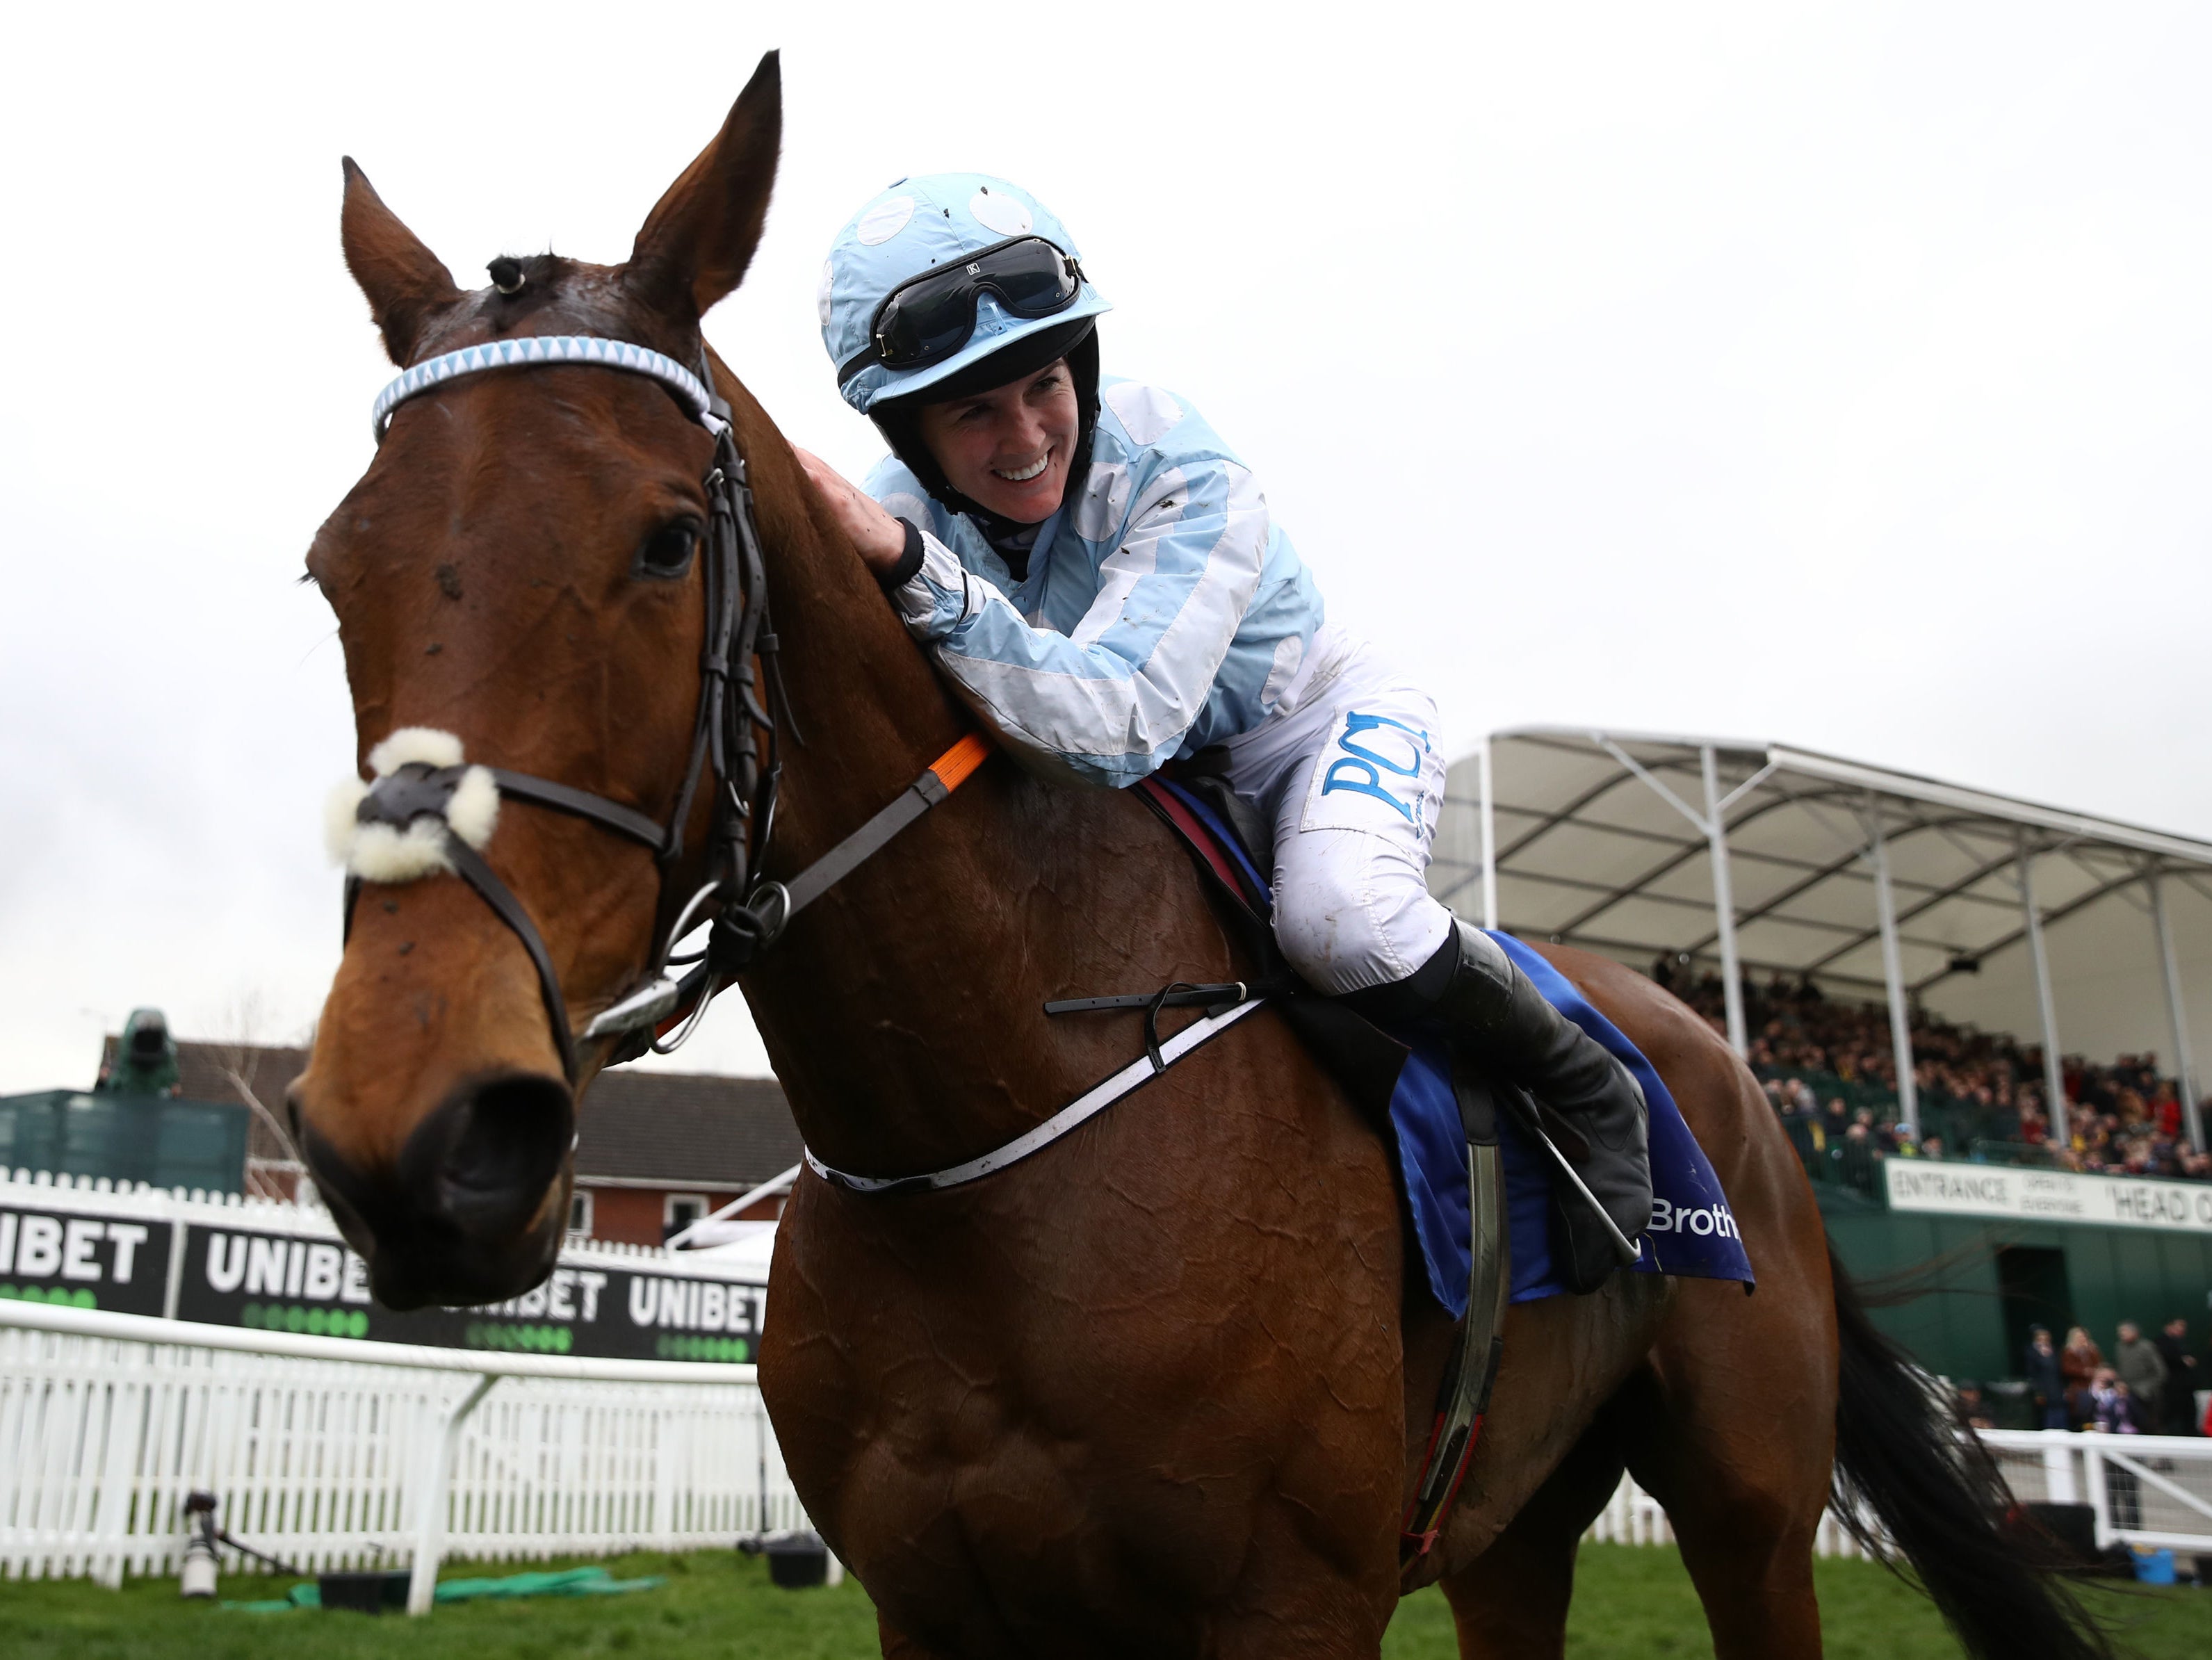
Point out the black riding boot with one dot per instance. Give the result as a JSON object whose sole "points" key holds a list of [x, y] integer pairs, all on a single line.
{"points": [[1504, 1023]]}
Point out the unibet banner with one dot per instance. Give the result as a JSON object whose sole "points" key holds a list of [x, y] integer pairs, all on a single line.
{"points": [[277, 1267], [50, 1255], [284, 1282]]}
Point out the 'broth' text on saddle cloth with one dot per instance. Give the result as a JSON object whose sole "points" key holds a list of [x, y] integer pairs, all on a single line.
{"points": [[1691, 1232]]}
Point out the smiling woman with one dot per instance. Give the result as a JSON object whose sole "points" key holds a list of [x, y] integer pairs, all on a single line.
{"points": [[1103, 580], [1012, 447]]}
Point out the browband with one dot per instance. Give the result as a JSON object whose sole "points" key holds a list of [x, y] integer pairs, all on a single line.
{"points": [[524, 351]]}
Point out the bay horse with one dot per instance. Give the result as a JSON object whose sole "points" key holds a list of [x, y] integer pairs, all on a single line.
{"points": [[1161, 1389]]}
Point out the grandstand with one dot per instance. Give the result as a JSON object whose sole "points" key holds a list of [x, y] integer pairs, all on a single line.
{"points": [[1923, 974], [1998, 975]]}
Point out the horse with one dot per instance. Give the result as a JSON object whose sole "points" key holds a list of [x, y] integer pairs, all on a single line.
{"points": [[1162, 1388]]}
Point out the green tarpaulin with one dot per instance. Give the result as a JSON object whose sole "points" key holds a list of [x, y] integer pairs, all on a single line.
{"points": [[572, 1581]]}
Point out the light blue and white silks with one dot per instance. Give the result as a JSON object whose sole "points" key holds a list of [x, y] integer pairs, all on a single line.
{"points": [[1162, 610], [1163, 613]]}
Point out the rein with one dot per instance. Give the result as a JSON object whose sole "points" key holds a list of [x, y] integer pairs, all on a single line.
{"points": [[415, 798]]}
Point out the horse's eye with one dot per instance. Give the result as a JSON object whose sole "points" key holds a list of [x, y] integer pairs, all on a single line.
{"points": [[667, 552]]}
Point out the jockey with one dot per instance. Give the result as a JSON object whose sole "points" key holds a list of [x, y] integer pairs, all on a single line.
{"points": [[1099, 577]]}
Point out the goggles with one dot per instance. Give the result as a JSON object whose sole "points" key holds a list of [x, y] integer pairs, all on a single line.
{"points": [[928, 318]]}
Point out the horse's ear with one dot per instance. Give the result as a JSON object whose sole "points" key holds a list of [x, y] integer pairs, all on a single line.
{"points": [[699, 238], [404, 280]]}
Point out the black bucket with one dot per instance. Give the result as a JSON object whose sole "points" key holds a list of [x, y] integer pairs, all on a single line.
{"points": [[364, 1593], [797, 1561]]}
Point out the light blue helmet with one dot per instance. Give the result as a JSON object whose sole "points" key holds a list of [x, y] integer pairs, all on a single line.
{"points": [[914, 225]]}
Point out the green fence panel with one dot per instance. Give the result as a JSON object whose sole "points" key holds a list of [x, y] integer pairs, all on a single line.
{"points": [[162, 1140]]}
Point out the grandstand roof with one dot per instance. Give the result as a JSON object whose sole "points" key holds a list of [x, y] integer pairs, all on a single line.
{"points": [[1602, 841]]}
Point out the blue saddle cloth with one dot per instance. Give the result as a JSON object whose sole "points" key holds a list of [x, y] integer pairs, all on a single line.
{"points": [[1691, 1232]]}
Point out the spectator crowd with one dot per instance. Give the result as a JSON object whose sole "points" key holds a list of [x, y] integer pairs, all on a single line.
{"points": [[2148, 1386], [1829, 1069]]}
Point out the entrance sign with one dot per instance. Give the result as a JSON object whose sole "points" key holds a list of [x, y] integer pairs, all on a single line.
{"points": [[1930, 1187]]}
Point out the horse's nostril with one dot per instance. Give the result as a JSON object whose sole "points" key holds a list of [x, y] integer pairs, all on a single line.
{"points": [[493, 1149]]}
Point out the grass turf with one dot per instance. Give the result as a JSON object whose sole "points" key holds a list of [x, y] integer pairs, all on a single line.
{"points": [[714, 1603], [1637, 1601], [1629, 1602]]}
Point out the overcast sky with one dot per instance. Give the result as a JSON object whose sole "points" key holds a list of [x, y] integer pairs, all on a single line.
{"points": [[1835, 374]]}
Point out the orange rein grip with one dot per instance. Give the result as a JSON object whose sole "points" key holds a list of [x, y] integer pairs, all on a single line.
{"points": [[957, 764]]}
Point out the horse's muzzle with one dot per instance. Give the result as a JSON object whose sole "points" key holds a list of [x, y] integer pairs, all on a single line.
{"points": [[472, 1210]]}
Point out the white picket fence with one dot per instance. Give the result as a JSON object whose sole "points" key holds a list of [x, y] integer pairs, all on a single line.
{"points": [[379, 1458], [335, 1453], [1633, 1517], [2150, 1490]]}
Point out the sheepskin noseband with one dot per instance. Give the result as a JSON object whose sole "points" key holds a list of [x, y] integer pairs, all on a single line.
{"points": [[395, 829]]}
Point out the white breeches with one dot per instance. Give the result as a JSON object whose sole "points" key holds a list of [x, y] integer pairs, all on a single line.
{"points": [[1353, 782]]}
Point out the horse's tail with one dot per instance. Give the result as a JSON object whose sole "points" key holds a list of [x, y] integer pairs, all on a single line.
{"points": [[1908, 1483]]}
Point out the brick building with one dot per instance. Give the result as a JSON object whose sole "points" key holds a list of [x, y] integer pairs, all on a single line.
{"points": [[660, 1150], [657, 1150]]}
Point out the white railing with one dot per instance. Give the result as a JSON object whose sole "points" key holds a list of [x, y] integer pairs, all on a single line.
{"points": [[2150, 1490], [2154, 1490], [332, 1452]]}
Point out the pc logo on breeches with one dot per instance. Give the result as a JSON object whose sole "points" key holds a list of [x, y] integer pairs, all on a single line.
{"points": [[1371, 756]]}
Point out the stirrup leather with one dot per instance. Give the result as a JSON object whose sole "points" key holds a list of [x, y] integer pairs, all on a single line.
{"points": [[1463, 1397]]}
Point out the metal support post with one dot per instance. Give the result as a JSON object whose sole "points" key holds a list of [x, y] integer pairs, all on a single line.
{"points": [[2096, 1492], [2184, 1064], [2058, 1486], [1723, 905], [2054, 1073], [1489, 839], [430, 1514], [1893, 974]]}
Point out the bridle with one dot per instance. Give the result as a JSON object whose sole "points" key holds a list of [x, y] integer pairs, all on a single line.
{"points": [[735, 708], [745, 913]]}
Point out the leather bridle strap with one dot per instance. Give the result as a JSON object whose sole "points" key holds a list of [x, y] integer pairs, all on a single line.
{"points": [[761, 922], [725, 752], [417, 793], [608, 815], [470, 865]]}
